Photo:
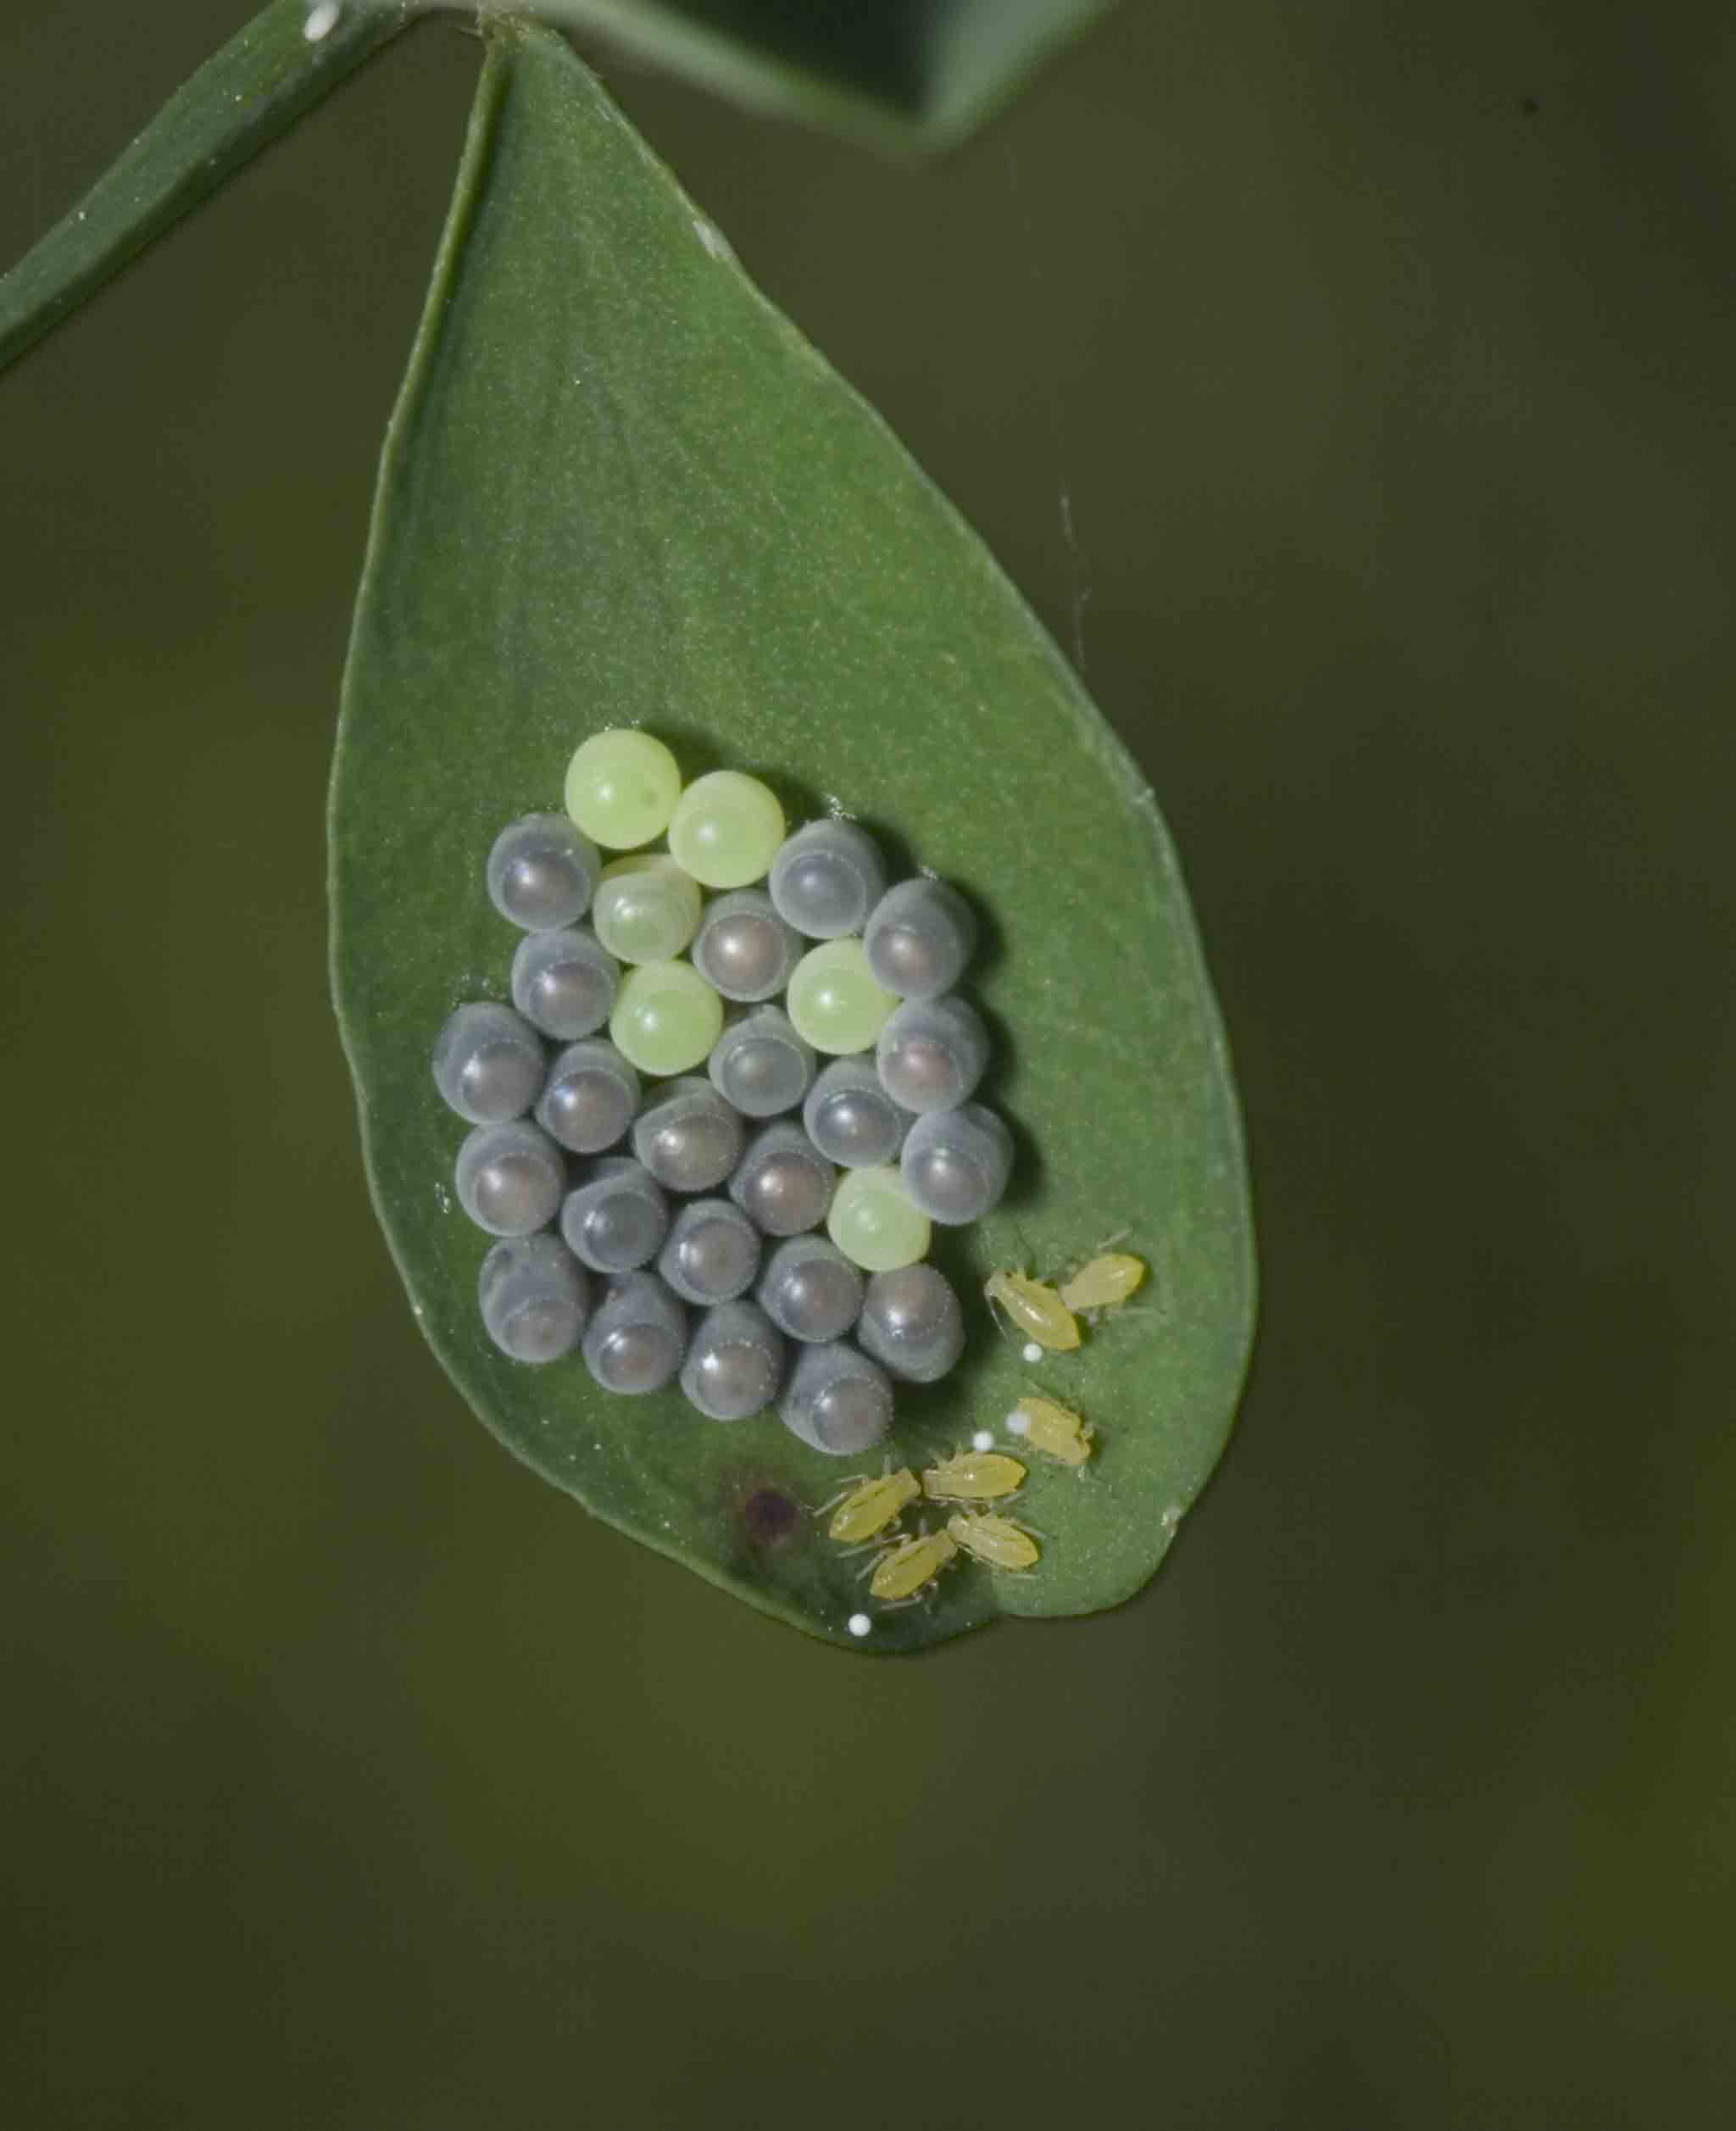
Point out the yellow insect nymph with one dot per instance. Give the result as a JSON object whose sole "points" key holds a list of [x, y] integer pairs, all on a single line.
{"points": [[1055, 1430], [910, 1567], [996, 1540], [1035, 1308], [872, 1506], [1105, 1282], [973, 1476]]}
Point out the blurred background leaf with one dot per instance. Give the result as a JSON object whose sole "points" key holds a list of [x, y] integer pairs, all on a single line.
{"points": [[905, 74], [350, 1778], [237, 103]]}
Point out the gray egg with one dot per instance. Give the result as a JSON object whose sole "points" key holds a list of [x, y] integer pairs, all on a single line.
{"points": [[734, 1363], [759, 1064], [810, 1290], [510, 1178], [956, 1163], [744, 948], [542, 872], [589, 1098], [485, 1059], [688, 1136], [827, 878], [931, 1053], [712, 1253], [565, 983], [784, 1183], [616, 1218], [850, 1118], [837, 1400], [635, 1340], [920, 937], [912, 1323], [534, 1297]]}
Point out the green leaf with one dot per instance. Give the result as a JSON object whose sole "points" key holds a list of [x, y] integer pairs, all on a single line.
{"points": [[918, 75], [255, 88], [620, 488]]}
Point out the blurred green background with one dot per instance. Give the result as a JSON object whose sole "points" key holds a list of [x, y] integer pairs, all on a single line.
{"points": [[1380, 360]]}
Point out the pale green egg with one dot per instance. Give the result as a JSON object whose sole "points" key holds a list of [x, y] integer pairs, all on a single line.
{"points": [[646, 909], [667, 1018], [621, 788], [875, 1222], [834, 1000], [726, 829]]}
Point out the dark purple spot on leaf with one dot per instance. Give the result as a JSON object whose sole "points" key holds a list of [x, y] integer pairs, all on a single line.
{"points": [[769, 1516]]}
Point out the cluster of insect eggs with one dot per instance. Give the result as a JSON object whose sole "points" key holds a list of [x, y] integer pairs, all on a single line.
{"points": [[726, 995]]}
